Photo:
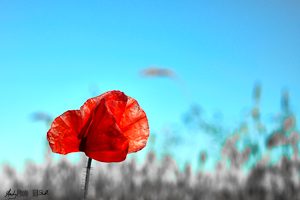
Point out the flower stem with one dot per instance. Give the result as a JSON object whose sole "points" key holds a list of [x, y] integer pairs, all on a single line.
{"points": [[87, 178]]}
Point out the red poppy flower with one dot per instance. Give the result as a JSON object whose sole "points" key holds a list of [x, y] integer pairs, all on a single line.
{"points": [[106, 128]]}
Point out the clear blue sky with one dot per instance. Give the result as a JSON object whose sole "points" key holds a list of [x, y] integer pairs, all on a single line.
{"points": [[53, 52]]}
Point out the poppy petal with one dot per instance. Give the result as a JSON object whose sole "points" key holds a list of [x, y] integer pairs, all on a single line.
{"points": [[116, 102], [63, 134], [134, 125], [105, 141]]}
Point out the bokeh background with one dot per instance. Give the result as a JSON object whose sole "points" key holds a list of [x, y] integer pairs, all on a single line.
{"points": [[219, 81]]}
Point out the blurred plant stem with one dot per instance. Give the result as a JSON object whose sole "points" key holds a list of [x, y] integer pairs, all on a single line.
{"points": [[87, 178]]}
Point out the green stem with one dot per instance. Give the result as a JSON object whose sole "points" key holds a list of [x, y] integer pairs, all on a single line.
{"points": [[87, 178]]}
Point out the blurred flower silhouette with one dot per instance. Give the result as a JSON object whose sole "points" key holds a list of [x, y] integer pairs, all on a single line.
{"points": [[158, 72], [42, 116]]}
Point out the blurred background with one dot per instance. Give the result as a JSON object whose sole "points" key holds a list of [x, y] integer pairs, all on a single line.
{"points": [[218, 80]]}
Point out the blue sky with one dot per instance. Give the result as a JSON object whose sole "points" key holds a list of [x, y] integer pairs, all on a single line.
{"points": [[53, 52]]}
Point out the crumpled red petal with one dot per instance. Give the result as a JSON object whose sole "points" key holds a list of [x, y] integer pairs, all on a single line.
{"points": [[134, 125], [63, 134], [104, 140], [106, 128]]}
